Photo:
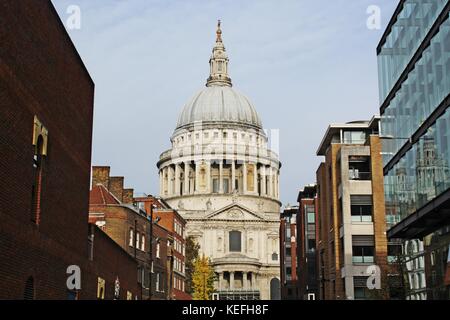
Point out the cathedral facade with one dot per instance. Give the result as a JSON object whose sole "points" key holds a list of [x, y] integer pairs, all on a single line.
{"points": [[222, 177]]}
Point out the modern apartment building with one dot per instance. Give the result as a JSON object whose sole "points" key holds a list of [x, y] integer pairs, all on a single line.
{"points": [[414, 81], [352, 222]]}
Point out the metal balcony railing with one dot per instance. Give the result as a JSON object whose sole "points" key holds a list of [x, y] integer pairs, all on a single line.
{"points": [[358, 175]]}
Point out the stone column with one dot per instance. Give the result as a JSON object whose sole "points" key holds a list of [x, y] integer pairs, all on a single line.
{"points": [[221, 176], [221, 280], [244, 281], [177, 179], [263, 181], [270, 184], [244, 176], [165, 180], [255, 178], [231, 280], [161, 182], [278, 184], [171, 176], [197, 177], [275, 183], [187, 172], [208, 177], [233, 175]]}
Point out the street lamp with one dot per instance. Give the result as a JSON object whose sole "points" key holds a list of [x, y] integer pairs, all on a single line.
{"points": [[150, 289]]}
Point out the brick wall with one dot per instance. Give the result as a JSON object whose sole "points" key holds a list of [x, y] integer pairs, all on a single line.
{"points": [[42, 75]]}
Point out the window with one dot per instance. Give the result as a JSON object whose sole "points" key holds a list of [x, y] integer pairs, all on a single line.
{"points": [[40, 141], [158, 283], [274, 256], [362, 292], [288, 231], [235, 241], [37, 184], [215, 185], [394, 252], [363, 249], [288, 251], [361, 208], [143, 243], [131, 238], [137, 240], [288, 273], [158, 247], [354, 137], [363, 254], [226, 185], [359, 168]]}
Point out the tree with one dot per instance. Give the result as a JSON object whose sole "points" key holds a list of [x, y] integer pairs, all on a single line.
{"points": [[192, 249], [203, 279]]}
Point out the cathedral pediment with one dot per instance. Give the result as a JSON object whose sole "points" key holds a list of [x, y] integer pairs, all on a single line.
{"points": [[235, 212]]}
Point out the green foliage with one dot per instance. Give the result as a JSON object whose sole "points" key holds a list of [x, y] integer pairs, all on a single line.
{"points": [[191, 251]]}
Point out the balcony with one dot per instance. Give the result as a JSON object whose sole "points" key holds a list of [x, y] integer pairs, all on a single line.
{"points": [[356, 175], [362, 218], [363, 259], [359, 168]]}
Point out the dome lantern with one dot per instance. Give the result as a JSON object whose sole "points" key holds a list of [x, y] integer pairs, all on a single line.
{"points": [[219, 63]]}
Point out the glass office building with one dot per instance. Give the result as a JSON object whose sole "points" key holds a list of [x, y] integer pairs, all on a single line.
{"points": [[414, 82]]}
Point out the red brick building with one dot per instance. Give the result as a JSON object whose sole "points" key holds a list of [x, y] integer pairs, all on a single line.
{"points": [[46, 98], [307, 235], [111, 207], [111, 267], [172, 221], [288, 262]]}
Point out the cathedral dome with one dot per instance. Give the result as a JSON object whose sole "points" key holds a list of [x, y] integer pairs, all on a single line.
{"points": [[219, 104]]}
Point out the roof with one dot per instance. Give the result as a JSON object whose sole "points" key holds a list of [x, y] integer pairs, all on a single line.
{"points": [[335, 128], [308, 192], [99, 195], [219, 104]]}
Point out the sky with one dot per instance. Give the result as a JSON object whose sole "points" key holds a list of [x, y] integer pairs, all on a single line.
{"points": [[304, 65]]}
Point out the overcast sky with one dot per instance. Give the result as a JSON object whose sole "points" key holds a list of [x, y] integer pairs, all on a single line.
{"points": [[304, 64]]}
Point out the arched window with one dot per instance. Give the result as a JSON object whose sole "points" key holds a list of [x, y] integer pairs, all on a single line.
{"points": [[235, 241], [28, 293], [275, 287]]}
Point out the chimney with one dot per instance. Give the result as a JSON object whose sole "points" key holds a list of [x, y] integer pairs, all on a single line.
{"points": [[127, 197], [116, 187], [100, 175]]}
